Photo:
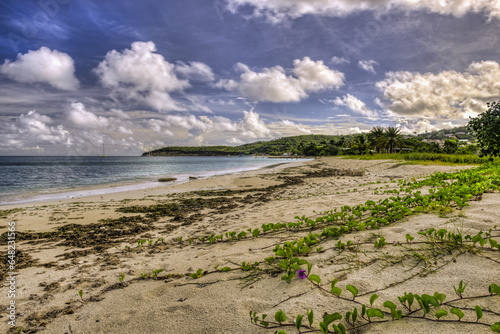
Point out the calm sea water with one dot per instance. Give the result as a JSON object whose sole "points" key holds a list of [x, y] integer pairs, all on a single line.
{"points": [[22, 177]]}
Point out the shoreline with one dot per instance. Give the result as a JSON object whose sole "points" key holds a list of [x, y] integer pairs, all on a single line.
{"points": [[131, 186]]}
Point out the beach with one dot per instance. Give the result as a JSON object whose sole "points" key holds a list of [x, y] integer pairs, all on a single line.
{"points": [[93, 244]]}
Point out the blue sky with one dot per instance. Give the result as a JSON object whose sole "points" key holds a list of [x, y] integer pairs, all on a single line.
{"points": [[142, 75]]}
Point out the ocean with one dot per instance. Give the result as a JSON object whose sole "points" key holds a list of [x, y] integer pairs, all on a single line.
{"points": [[37, 178]]}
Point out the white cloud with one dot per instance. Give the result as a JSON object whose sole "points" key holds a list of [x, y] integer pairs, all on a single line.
{"points": [[42, 66], [274, 85], [355, 130], [79, 116], [120, 114], [448, 95], [125, 130], [277, 11], [250, 126], [289, 124], [422, 125], [355, 105], [367, 65], [253, 126], [339, 60], [141, 74], [195, 71], [31, 130], [234, 140]]}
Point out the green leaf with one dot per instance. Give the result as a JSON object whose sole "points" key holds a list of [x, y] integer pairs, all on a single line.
{"points": [[340, 329], [80, 293], [310, 317], [309, 267], [353, 290], [457, 312], [281, 332], [323, 327], [390, 305], [298, 321], [440, 313], [280, 316], [314, 278], [479, 312], [329, 318], [347, 316], [430, 300], [335, 290], [363, 310], [373, 298], [396, 314], [410, 299], [374, 312], [439, 296], [494, 289], [354, 315], [264, 323], [495, 327]]}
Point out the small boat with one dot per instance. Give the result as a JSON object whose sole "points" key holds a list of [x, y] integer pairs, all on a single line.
{"points": [[103, 153]]}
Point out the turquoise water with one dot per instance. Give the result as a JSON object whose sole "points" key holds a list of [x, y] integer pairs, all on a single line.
{"points": [[25, 176]]}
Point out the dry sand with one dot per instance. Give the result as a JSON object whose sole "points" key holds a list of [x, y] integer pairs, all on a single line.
{"points": [[56, 266]]}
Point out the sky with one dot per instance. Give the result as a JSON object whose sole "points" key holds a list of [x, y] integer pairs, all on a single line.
{"points": [[140, 75]]}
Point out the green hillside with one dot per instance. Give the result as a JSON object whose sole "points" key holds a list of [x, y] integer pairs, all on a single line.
{"points": [[318, 145], [271, 147]]}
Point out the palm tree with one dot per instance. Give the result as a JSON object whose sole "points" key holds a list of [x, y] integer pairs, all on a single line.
{"points": [[360, 143], [375, 137], [392, 138]]}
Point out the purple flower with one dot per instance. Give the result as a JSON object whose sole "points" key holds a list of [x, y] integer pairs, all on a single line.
{"points": [[302, 274]]}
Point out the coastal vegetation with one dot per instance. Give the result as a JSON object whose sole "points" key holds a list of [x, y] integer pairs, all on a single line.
{"points": [[378, 140], [486, 127]]}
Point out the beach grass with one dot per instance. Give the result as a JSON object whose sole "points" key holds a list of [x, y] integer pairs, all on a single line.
{"points": [[425, 158]]}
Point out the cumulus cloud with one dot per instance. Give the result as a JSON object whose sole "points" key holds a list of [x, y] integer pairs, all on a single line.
{"points": [[275, 85], [367, 65], [195, 71], [42, 66], [141, 74], [79, 116], [277, 11], [447, 95], [355, 105], [31, 130], [253, 126]]}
